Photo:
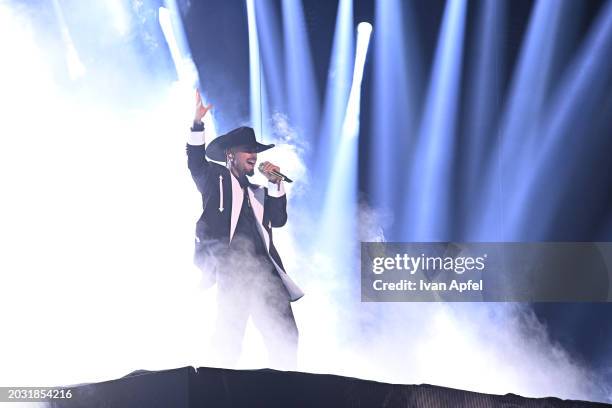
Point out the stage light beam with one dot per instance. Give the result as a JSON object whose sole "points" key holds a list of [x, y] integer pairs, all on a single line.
{"points": [[302, 96], [338, 88], [270, 54], [120, 18], [483, 110], [569, 142], [340, 207], [396, 81], [520, 124], [76, 69], [256, 78], [172, 29], [188, 78], [432, 168], [350, 128]]}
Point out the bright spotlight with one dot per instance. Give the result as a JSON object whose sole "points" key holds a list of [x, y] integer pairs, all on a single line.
{"points": [[364, 28], [341, 191], [351, 119]]}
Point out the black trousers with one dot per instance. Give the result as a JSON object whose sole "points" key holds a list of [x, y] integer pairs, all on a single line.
{"points": [[250, 287]]}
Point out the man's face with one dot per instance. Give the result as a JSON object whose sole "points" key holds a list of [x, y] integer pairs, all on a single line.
{"points": [[244, 160]]}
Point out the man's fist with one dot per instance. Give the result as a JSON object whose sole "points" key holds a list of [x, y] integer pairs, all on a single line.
{"points": [[267, 168], [200, 110]]}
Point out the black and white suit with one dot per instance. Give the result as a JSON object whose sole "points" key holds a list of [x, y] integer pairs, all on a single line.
{"points": [[224, 201]]}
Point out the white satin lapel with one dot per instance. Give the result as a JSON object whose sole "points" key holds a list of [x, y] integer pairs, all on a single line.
{"points": [[257, 198], [257, 201], [237, 197]]}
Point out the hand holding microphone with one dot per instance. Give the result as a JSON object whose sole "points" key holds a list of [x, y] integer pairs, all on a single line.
{"points": [[273, 173]]}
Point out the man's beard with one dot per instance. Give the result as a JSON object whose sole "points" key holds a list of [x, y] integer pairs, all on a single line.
{"points": [[251, 173]]}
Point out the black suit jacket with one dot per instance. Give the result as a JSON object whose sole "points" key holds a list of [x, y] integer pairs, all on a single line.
{"points": [[221, 204]]}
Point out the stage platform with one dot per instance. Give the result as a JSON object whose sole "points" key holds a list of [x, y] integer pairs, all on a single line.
{"points": [[189, 387]]}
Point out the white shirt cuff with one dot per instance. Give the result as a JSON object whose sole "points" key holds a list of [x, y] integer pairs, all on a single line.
{"points": [[196, 138], [276, 190]]}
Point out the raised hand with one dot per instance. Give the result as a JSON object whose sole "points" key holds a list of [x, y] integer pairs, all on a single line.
{"points": [[201, 109]]}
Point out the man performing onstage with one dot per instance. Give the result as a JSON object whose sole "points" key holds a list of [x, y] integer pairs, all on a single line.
{"points": [[234, 244]]}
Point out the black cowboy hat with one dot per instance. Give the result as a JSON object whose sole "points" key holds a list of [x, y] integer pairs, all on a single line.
{"points": [[242, 136]]}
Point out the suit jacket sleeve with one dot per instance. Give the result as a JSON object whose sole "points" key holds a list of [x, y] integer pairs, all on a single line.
{"points": [[196, 159], [275, 205]]}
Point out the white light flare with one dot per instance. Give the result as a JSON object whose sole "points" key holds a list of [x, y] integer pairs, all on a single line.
{"points": [[76, 69], [188, 78], [119, 15]]}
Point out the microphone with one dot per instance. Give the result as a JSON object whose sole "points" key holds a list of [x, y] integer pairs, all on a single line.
{"points": [[276, 173]]}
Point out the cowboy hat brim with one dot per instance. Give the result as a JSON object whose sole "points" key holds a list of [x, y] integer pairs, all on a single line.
{"points": [[238, 137]]}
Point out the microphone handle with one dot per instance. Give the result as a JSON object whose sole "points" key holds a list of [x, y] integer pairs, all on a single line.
{"points": [[282, 176]]}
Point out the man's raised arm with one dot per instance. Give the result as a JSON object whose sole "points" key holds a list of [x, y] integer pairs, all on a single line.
{"points": [[196, 149]]}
